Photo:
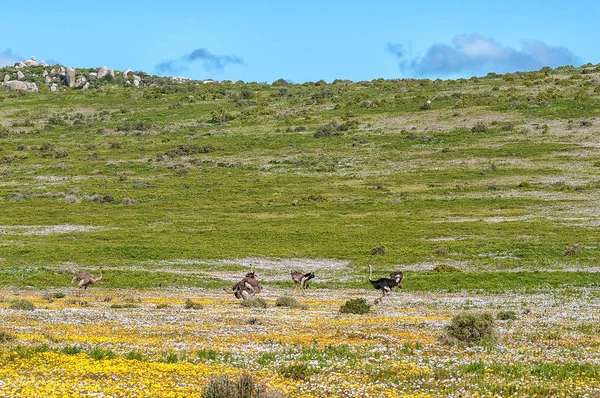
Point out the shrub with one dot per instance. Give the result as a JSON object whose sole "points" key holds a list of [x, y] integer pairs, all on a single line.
{"points": [[192, 305], [127, 305], [524, 184], [505, 315], [25, 305], [297, 371], [134, 355], [71, 350], [441, 251], [244, 387], [287, 301], [470, 328], [330, 129], [445, 268], [256, 302], [379, 250], [170, 357], [58, 295], [206, 355], [356, 306], [100, 354], [162, 306], [479, 127], [5, 337]]}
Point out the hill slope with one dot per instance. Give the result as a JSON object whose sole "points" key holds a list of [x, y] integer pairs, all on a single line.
{"points": [[495, 174]]}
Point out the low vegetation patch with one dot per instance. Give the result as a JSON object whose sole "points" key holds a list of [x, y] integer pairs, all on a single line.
{"points": [[24, 305], [192, 305], [356, 306], [506, 315], [446, 268], [5, 336], [245, 386], [287, 301], [470, 328], [255, 302]]}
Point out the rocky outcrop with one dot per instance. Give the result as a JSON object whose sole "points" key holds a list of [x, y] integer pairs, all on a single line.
{"points": [[6, 78], [103, 71], [54, 87], [20, 65], [80, 81], [127, 72], [18, 85], [93, 76], [70, 77], [179, 79], [20, 75]]}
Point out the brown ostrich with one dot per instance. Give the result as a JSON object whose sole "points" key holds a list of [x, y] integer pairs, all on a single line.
{"points": [[301, 279], [85, 279]]}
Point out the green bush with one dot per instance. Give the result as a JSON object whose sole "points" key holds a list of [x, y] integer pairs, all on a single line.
{"points": [[470, 328], [99, 354], [506, 315], [206, 355], [297, 371], [192, 305], [25, 305], [134, 355], [479, 127], [287, 301], [255, 303], [356, 306], [5, 337], [445, 268], [71, 350]]}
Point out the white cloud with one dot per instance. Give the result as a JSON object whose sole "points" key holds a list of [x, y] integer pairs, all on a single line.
{"points": [[474, 54]]}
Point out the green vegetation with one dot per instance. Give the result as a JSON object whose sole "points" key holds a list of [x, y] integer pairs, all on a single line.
{"points": [[24, 305], [470, 328], [356, 306], [5, 336], [287, 301], [192, 305], [495, 175], [255, 302], [245, 386]]}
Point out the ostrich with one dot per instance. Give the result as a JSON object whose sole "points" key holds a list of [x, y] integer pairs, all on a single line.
{"points": [[302, 279], [246, 287], [395, 274], [85, 279], [385, 284]]}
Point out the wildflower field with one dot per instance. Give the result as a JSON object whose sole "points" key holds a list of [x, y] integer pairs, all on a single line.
{"points": [[146, 343], [484, 192]]}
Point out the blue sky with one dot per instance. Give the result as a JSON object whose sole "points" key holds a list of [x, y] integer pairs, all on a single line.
{"points": [[303, 40]]}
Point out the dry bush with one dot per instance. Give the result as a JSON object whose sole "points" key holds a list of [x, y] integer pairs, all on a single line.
{"points": [[244, 387]]}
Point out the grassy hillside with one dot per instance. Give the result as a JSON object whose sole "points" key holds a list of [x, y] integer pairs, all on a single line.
{"points": [[496, 174]]}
